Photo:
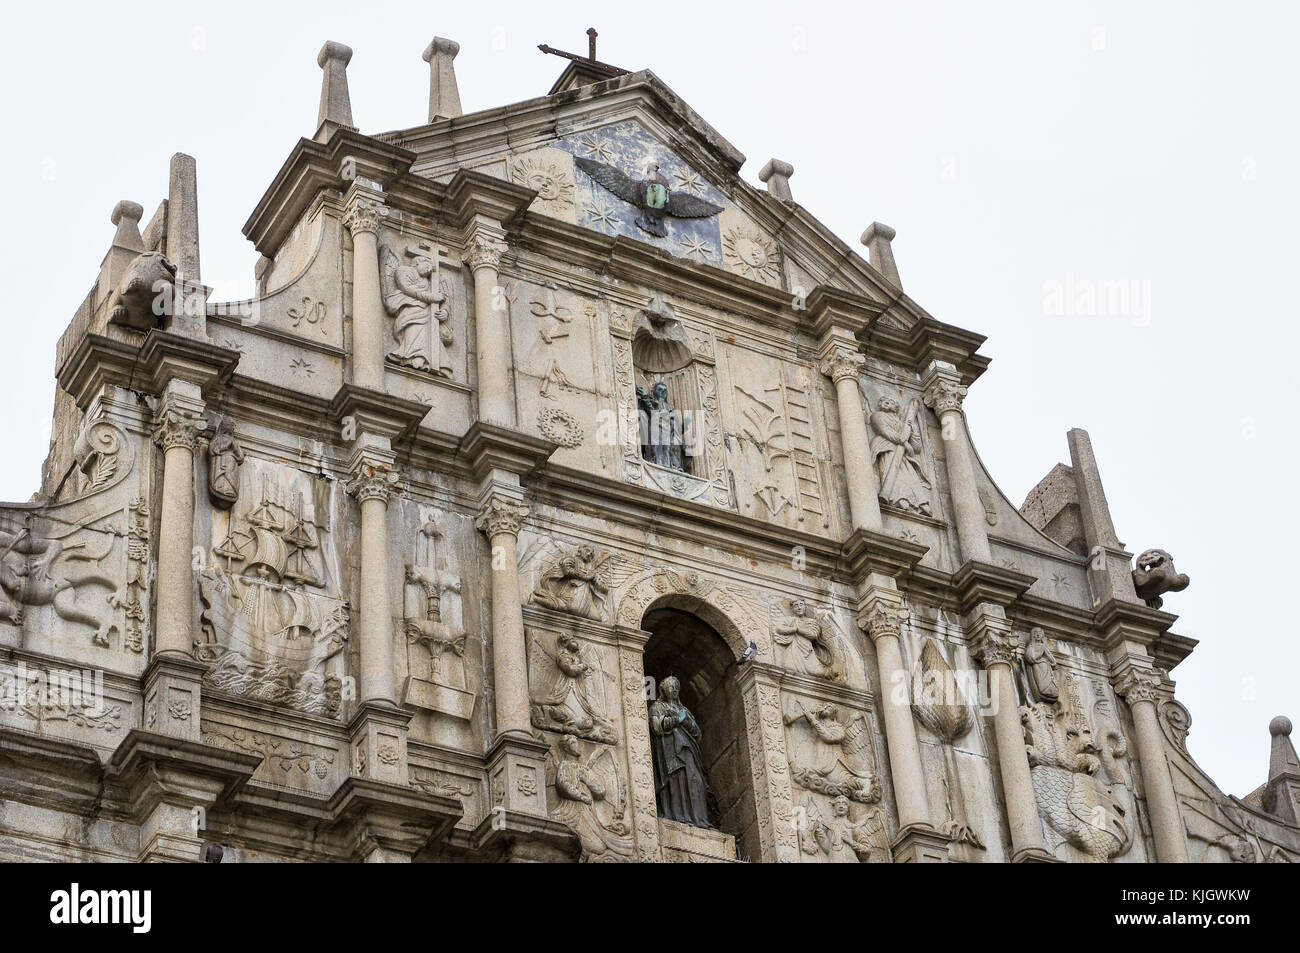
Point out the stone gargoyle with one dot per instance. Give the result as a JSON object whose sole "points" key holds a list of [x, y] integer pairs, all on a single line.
{"points": [[1155, 575], [147, 278]]}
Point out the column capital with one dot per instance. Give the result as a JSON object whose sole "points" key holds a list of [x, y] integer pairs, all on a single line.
{"points": [[179, 423], [500, 514], [991, 647], [371, 482], [1139, 685], [883, 619], [364, 214], [483, 249], [943, 388], [842, 362]]}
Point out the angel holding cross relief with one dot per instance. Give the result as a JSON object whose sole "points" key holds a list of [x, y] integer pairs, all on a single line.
{"points": [[416, 296]]}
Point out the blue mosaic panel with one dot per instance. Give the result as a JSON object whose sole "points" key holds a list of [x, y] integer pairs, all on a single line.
{"points": [[630, 148]]}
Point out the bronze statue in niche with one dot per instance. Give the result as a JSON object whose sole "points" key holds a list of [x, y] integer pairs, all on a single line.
{"points": [[663, 429], [681, 786]]}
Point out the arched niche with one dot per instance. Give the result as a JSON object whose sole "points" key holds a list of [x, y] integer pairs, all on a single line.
{"points": [[683, 645], [725, 622]]}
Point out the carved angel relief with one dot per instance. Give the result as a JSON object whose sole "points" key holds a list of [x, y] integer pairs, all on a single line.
{"points": [[590, 796], [577, 582], [898, 452], [416, 296], [843, 838], [807, 642], [570, 697]]}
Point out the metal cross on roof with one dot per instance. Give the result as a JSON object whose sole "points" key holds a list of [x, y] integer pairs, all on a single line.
{"points": [[589, 59]]}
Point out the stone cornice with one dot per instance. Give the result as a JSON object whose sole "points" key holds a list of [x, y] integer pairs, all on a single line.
{"points": [[96, 361], [148, 768], [379, 413], [165, 356], [486, 447], [865, 552], [829, 307], [977, 582], [472, 194], [312, 166]]}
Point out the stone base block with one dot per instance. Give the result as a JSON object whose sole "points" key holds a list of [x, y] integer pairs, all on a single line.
{"points": [[682, 843]]}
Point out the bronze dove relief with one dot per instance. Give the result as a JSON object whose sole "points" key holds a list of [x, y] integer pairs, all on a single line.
{"points": [[651, 195]]}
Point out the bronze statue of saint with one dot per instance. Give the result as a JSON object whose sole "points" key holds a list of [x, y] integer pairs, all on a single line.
{"points": [[1040, 664], [663, 432], [681, 787]]}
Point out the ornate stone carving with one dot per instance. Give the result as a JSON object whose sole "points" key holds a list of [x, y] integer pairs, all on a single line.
{"points": [[1136, 685], [267, 634], [416, 297], [883, 620], [750, 253], [178, 428], [484, 251], [137, 573], [992, 647], [433, 622], [840, 838], [280, 753], [501, 515], [224, 458], [831, 752], [591, 798], [1155, 575], [1041, 668], [145, 293], [34, 571], [570, 693], [1076, 804], [941, 706], [560, 426], [100, 455], [842, 363], [577, 582], [943, 394], [372, 483], [806, 642], [364, 216], [897, 449], [553, 184]]}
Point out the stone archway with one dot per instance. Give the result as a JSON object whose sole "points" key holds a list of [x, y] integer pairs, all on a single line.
{"points": [[735, 618], [683, 645]]}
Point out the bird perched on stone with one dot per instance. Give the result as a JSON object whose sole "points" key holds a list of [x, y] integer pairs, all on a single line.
{"points": [[651, 195], [750, 651]]}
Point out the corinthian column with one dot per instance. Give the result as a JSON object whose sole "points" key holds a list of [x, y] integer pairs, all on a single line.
{"points": [[363, 217], [483, 253], [884, 624], [944, 395], [177, 432], [994, 646], [371, 484], [843, 365], [500, 519], [1141, 689]]}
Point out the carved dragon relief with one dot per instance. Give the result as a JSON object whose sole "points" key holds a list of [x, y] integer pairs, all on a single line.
{"points": [[83, 559]]}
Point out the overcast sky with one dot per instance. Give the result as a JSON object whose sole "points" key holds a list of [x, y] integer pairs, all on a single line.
{"points": [[1024, 152]]}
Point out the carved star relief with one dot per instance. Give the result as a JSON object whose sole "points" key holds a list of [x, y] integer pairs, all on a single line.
{"points": [[598, 147], [688, 180], [697, 248], [601, 214]]}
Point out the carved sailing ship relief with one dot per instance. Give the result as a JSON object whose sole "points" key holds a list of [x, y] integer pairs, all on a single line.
{"points": [[266, 636]]}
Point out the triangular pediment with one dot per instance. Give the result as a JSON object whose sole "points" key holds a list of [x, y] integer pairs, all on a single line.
{"points": [[633, 123]]}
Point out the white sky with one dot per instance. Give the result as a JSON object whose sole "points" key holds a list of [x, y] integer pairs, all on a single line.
{"points": [[1011, 144]]}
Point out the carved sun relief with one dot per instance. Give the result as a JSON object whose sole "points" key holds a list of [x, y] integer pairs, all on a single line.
{"points": [[553, 185], [749, 253]]}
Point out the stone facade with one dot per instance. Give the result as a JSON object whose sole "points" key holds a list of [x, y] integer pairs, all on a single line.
{"points": [[385, 564]]}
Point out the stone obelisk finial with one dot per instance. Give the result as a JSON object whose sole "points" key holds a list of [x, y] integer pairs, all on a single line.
{"points": [[877, 238], [444, 96], [335, 104], [777, 174]]}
